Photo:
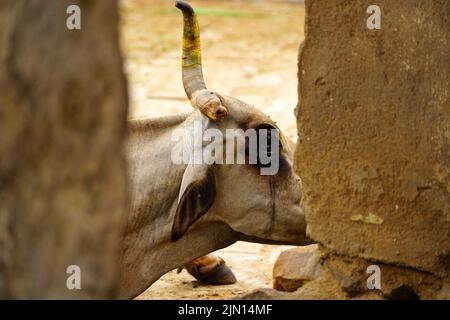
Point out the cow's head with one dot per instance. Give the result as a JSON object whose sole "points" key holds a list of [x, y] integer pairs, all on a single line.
{"points": [[260, 200]]}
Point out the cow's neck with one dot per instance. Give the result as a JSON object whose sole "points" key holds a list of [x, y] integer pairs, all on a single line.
{"points": [[148, 262], [148, 252]]}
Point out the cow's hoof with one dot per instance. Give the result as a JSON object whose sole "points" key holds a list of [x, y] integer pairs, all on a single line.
{"points": [[219, 275], [211, 270]]}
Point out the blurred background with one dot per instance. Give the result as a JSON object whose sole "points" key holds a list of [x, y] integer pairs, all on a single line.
{"points": [[249, 52]]}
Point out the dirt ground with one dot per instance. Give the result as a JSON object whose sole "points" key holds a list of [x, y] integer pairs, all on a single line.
{"points": [[249, 52]]}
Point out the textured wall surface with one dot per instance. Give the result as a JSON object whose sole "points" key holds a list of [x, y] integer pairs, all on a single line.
{"points": [[374, 130], [63, 106]]}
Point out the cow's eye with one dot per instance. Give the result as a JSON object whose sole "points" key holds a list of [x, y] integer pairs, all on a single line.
{"points": [[267, 145]]}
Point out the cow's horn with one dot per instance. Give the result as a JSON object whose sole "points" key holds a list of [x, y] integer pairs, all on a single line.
{"points": [[207, 102]]}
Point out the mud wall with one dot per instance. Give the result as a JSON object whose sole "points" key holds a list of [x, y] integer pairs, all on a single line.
{"points": [[374, 130], [63, 107]]}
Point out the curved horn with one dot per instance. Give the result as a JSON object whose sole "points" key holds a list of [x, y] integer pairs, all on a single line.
{"points": [[192, 54], [194, 85]]}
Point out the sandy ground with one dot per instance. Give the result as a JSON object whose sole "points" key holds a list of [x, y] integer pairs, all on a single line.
{"points": [[249, 52]]}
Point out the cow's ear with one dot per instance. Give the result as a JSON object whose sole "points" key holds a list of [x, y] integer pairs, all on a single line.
{"points": [[197, 193]]}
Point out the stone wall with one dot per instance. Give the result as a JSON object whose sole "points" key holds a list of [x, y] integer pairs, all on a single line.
{"points": [[63, 107], [374, 131]]}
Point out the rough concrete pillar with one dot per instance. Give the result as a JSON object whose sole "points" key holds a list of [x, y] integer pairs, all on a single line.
{"points": [[374, 130], [63, 107]]}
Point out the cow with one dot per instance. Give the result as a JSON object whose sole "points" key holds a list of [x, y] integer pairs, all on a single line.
{"points": [[180, 212]]}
